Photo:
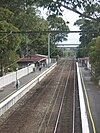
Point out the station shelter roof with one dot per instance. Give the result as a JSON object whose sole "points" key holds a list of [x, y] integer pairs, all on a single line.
{"points": [[32, 59]]}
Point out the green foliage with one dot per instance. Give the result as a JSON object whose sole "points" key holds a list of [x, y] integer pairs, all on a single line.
{"points": [[16, 16], [80, 53], [92, 30], [16, 5], [57, 23], [5, 15], [94, 56], [22, 15], [55, 52], [8, 41], [84, 8]]}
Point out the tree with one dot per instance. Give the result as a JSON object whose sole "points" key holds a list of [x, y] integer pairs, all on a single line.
{"points": [[89, 26], [58, 24], [91, 31], [8, 42], [89, 11], [16, 5], [80, 53], [94, 56], [28, 20], [81, 7], [6, 14]]}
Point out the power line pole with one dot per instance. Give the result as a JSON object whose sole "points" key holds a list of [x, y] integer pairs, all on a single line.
{"points": [[48, 49]]}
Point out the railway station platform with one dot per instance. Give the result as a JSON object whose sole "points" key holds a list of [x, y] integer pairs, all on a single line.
{"points": [[91, 92], [91, 95], [10, 89]]}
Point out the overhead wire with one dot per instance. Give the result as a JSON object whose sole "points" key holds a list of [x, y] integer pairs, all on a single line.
{"points": [[6, 35], [17, 60]]}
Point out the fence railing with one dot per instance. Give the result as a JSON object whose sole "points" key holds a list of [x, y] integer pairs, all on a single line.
{"points": [[10, 101]]}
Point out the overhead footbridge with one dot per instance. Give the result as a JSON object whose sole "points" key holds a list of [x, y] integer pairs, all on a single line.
{"points": [[67, 45]]}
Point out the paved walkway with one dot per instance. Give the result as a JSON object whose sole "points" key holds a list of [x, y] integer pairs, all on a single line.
{"points": [[6, 91], [93, 99]]}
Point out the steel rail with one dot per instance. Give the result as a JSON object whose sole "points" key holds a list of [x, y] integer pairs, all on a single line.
{"points": [[52, 110], [61, 105], [39, 130], [50, 80]]}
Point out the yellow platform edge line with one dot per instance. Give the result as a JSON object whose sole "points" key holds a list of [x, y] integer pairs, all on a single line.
{"points": [[88, 104]]}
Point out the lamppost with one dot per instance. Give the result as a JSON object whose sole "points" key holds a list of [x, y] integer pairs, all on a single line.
{"points": [[16, 78], [28, 68]]}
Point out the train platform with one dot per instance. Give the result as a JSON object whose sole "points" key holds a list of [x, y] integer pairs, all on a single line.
{"points": [[9, 89], [91, 93]]}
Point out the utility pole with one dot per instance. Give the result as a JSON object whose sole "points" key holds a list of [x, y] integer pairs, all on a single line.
{"points": [[48, 49], [1, 61]]}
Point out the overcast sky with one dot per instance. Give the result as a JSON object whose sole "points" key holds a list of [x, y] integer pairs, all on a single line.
{"points": [[73, 38]]}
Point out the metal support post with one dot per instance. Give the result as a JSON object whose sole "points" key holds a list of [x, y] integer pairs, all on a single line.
{"points": [[48, 49], [16, 79]]}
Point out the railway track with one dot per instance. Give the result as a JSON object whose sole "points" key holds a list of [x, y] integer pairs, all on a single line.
{"points": [[48, 107]]}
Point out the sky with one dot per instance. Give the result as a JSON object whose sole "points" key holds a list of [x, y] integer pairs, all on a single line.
{"points": [[71, 17], [73, 38]]}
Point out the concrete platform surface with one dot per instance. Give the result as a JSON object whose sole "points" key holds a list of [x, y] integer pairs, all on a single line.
{"points": [[8, 90], [92, 99]]}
